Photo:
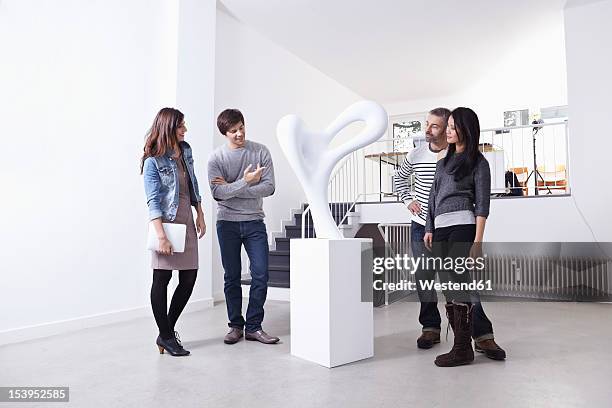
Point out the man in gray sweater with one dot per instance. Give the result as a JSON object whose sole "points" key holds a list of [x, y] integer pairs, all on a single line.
{"points": [[240, 174]]}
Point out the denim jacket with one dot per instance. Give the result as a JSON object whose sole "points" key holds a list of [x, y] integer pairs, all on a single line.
{"points": [[161, 184]]}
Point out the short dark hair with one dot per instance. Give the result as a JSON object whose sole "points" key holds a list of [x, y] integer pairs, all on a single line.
{"points": [[441, 113], [229, 118]]}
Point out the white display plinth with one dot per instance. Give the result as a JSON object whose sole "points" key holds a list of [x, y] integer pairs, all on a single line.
{"points": [[330, 324]]}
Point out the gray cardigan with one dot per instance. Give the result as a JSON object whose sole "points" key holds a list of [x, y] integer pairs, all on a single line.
{"points": [[472, 192]]}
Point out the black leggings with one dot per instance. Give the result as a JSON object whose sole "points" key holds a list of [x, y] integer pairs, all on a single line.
{"points": [[159, 298], [454, 242]]}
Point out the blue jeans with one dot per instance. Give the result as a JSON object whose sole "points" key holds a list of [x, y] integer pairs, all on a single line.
{"points": [[429, 316], [252, 234]]}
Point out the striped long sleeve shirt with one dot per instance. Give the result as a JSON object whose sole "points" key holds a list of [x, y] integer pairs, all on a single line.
{"points": [[414, 178]]}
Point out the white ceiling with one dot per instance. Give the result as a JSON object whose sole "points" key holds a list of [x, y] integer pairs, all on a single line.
{"points": [[392, 50]]}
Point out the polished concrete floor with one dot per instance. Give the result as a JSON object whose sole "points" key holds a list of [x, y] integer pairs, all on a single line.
{"points": [[559, 356]]}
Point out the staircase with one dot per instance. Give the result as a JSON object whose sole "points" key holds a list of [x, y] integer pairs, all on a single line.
{"points": [[278, 258]]}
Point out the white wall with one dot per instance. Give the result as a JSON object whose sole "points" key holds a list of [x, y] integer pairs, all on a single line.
{"points": [[81, 83], [196, 98], [589, 64], [531, 74], [267, 82]]}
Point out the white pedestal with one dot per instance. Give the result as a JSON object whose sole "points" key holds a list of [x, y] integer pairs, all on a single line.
{"points": [[330, 324]]}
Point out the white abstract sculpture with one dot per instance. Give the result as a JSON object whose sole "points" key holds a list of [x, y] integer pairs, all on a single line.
{"points": [[312, 160]]}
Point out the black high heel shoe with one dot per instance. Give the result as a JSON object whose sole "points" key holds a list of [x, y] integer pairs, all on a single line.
{"points": [[172, 346]]}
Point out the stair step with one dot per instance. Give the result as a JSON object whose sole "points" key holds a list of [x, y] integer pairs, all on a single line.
{"points": [[338, 212], [282, 244], [296, 231], [279, 252], [337, 218], [278, 276], [271, 284], [292, 227], [278, 258], [279, 268]]}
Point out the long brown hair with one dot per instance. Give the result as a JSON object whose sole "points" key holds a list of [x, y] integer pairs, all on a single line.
{"points": [[162, 135]]}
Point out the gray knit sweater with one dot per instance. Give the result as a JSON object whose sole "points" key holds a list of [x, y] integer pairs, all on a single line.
{"points": [[237, 200], [472, 192]]}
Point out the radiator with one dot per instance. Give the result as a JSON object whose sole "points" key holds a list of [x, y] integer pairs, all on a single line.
{"points": [[548, 278], [553, 271]]}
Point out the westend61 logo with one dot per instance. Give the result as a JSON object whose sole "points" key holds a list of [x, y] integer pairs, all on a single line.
{"points": [[458, 265]]}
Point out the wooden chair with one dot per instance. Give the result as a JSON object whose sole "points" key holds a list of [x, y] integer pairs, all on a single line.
{"points": [[555, 178], [521, 175]]}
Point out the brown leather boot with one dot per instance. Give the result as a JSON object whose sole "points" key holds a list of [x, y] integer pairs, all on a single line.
{"points": [[462, 352], [428, 339], [491, 349]]}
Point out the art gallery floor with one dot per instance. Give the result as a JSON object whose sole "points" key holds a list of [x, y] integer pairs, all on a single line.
{"points": [[559, 356]]}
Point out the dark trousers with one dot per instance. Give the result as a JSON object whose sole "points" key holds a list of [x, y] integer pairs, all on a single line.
{"points": [[451, 241], [232, 236], [429, 316]]}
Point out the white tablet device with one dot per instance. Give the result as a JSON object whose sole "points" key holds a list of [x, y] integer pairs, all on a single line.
{"points": [[176, 234]]}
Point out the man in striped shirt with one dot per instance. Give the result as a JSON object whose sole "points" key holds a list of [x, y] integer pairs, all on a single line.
{"points": [[413, 181]]}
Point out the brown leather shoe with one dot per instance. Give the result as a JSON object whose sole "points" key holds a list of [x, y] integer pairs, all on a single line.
{"points": [[262, 337], [490, 349], [233, 336], [428, 339]]}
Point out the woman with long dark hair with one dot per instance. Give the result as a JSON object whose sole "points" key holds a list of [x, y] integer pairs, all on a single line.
{"points": [[171, 188], [458, 209]]}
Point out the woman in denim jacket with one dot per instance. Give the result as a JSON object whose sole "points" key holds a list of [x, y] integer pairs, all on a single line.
{"points": [[171, 188]]}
